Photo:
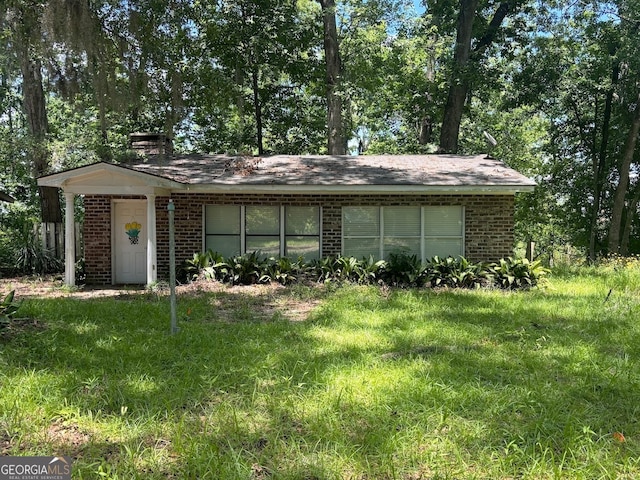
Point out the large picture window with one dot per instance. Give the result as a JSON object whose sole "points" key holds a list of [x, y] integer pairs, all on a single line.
{"points": [[424, 231], [292, 231]]}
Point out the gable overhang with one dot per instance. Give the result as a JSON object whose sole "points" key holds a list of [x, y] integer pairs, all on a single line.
{"points": [[108, 179]]}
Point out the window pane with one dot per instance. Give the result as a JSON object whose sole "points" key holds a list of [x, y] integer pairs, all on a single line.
{"points": [[225, 245], [361, 221], [401, 221], [409, 246], [222, 219], [443, 221], [443, 247], [361, 247], [267, 245], [307, 247], [262, 220], [302, 220]]}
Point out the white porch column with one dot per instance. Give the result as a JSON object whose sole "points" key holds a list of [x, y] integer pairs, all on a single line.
{"points": [[152, 271], [69, 240]]}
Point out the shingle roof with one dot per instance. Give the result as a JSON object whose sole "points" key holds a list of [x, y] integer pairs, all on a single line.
{"points": [[314, 170]]}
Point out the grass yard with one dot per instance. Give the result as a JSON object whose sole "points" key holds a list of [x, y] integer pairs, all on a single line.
{"points": [[369, 384]]}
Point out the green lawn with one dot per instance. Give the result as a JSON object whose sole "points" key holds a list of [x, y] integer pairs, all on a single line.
{"points": [[374, 384]]}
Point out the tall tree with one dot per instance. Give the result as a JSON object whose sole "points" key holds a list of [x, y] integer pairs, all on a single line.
{"points": [[620, 196], [582, 74], [459, 83], [24, 20], [472, 42], [261, 60], [625, 197], [336, 143]]}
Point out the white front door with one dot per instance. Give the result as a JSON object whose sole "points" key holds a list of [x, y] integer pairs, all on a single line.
{"points": [[130, 241]]}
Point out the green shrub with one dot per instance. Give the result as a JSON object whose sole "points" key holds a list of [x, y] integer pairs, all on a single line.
{"points": [[371, 270], [403, 269], [21, 248], [325, 269], [8, 309], [209, 265], [191, 269], [457, 273], [347, 269], [283, 270], [518, 273], [245, 269]]}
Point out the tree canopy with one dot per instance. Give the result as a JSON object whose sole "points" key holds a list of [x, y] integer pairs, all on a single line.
{"points": [[550, 88]]}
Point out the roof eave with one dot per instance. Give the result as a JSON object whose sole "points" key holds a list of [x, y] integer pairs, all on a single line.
{"points": [[361, 189]]}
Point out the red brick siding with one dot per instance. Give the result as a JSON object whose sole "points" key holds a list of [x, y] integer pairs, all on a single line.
{"points": [[96, 231], [488, 223]]}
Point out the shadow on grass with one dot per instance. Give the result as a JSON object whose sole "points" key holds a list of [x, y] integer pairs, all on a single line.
{"points": [[381, 383]]}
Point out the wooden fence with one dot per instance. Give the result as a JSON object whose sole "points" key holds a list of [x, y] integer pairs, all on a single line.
{"points": [[52, 238]]}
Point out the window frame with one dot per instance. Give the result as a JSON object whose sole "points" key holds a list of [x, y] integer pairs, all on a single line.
{"points": [[282, 226], [424, 229]]}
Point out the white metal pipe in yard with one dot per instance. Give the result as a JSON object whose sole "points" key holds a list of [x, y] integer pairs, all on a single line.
{"points": [[172, 267]]}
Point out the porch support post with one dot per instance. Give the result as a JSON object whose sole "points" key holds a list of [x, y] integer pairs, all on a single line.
{"points": [[152, 271], [69, 240]]}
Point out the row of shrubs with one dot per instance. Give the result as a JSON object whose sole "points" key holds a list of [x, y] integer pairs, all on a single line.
{"points": [[399, 270]]}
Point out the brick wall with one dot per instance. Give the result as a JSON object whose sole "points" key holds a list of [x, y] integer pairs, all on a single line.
{"points": [[488, 223], [97, 239]]}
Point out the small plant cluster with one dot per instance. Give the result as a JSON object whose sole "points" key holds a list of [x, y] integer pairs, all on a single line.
{"points": [[399, 270], [8, 309]]}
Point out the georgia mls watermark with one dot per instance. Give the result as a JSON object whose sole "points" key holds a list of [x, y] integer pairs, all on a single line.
{"points": [[35, 468]]}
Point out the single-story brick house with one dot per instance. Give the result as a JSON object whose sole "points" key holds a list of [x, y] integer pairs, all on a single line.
{"points": [[292, 205]]}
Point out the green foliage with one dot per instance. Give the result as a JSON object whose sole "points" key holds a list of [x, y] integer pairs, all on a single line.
{"points": [[246, 269], [21, 250], [556, 87], [32, 259], [8, 309], [347, 269], [518, 273], [283, 270], [205, 264], [457, 273], [402, 270]]}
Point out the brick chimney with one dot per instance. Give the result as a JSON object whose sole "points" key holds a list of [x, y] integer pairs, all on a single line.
{"points": [[151, 143]]}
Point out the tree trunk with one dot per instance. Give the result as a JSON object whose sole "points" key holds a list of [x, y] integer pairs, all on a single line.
{"points": [[257, 109], [336, 143], [623, 182], [599, 167], [462, 60], [425, 130], [459, 85], [36, 116], [628, 223]]}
